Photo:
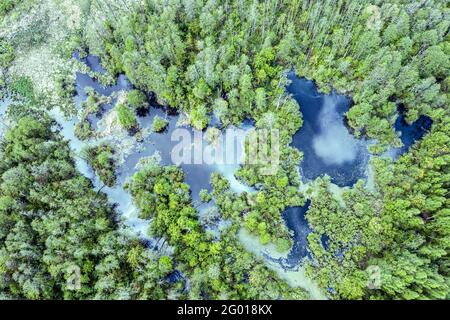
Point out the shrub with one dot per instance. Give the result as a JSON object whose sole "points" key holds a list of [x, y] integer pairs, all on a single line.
{"points": [[159, 124], [127, 118], [102, 161], [204, 196], [137, 99], [6, 53], [23, 87]]}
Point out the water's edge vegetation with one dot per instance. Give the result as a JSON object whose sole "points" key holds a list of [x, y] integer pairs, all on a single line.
{"points": [[87, 188]]}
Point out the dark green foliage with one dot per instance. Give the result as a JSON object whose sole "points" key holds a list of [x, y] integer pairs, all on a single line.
{"points": [[137, 99], [6, 6], [6, 53], [52, 222], [160, 193], [229, 59], [402, 228], [127, 118], [94, 103], [65, 88], [83, 129], [102, 161]]}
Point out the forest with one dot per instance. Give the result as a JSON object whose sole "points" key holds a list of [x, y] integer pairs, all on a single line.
{"points": [[217, 64]]}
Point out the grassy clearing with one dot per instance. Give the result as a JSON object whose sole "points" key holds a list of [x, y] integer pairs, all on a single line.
{"points": [[43, 35]]}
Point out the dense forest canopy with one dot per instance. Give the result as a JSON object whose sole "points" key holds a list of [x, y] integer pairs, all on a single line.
{"points": [[226, 60], [52, 221], [229, 58]]}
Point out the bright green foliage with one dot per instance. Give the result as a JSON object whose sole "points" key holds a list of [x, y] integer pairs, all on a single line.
{"points": [[52, 222], [137, 99], [416, 206], [161, 193], [22, 87], [229, 59], [205, 196], [159, 124], [207, 60], [6, 6], [379, 53], [351, 231], [401, 229], [127, 118]]}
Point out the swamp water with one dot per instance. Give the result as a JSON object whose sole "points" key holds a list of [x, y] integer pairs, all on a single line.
{"points": [[328, 147]]}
